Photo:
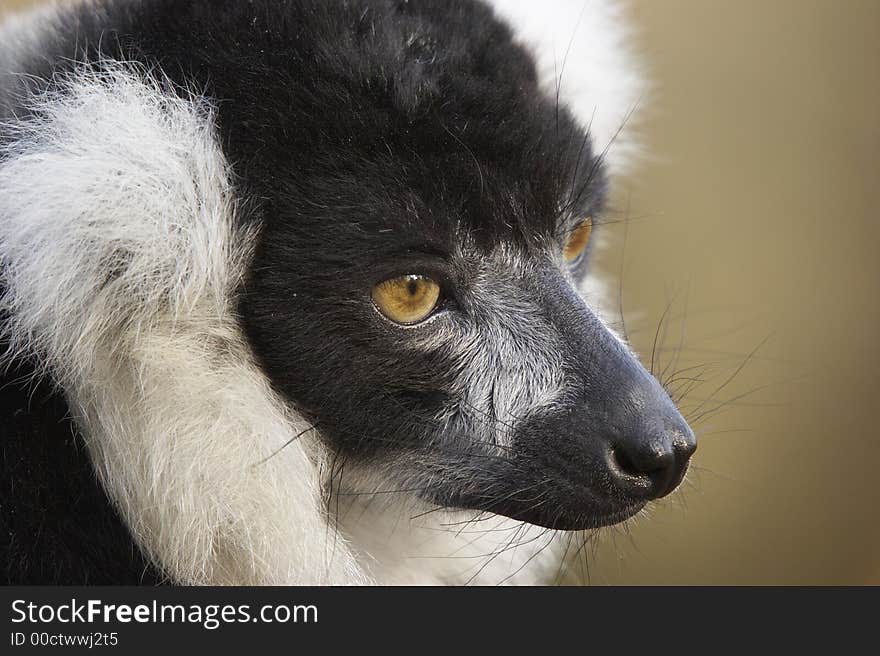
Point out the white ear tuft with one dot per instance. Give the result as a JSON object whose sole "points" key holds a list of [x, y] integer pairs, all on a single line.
{"points": [[120, 255]]}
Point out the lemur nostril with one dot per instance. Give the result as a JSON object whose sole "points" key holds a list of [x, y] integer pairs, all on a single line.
{"points": [[644, 463], [624, 463], [645, 472]]}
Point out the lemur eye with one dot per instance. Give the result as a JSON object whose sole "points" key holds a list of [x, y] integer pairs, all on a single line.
{"points": [[408, 299], [577, 241]]}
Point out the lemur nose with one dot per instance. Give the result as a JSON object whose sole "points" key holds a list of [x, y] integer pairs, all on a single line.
{"points": [[651, 464]]}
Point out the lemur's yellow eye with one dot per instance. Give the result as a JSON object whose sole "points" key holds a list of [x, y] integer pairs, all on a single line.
{"points": [[578, 240], [407, 299]]}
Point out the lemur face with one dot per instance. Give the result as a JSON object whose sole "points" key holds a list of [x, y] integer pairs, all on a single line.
{"points": [[415, 290]]}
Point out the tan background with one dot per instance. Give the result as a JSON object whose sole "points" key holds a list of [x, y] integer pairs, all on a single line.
{"points": [[756, 222]]}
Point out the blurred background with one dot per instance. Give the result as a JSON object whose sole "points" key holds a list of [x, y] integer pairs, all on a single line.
{"points": [[752, 230], [745, 261]]}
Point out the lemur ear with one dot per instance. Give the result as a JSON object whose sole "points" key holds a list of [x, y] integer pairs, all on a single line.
{"points": [[120, 252], [115, 207]]}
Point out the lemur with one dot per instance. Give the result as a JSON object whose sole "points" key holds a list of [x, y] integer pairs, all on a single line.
{"points": [[296, 292]]}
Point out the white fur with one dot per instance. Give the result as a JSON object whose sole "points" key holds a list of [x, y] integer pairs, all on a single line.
{"points": [[581, 47], [191, 444], [113, 174], [404, 542]]}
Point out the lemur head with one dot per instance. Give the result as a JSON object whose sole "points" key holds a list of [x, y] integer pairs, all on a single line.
{"points": [[218, 219], [415, 290]]}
